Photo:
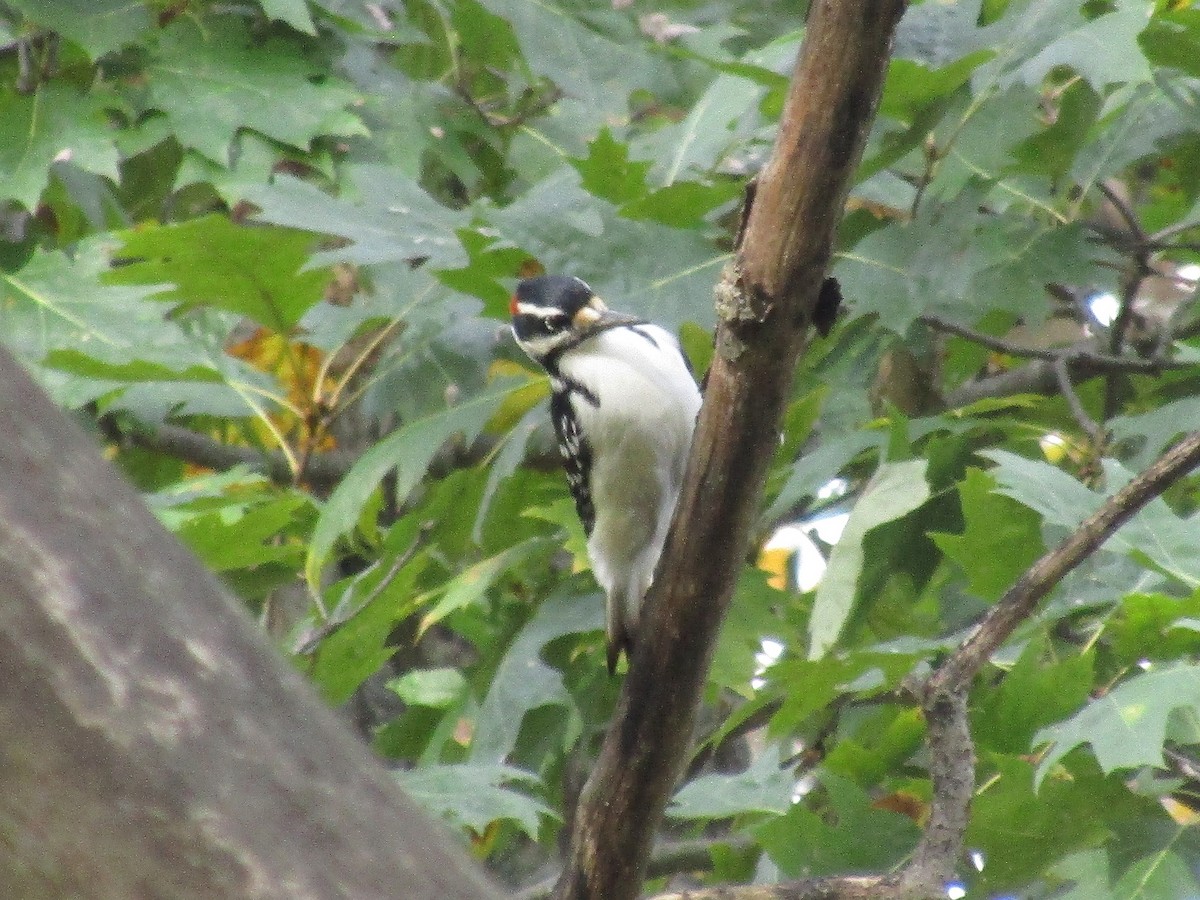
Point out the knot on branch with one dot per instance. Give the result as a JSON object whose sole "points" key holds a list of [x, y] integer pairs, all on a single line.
{"points": [[738, 310], [736, 303]]}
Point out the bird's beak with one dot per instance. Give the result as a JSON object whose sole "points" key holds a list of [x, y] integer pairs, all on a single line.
{"points": [[595, 316]]}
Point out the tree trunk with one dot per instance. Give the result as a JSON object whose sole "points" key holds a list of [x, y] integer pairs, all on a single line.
{"points": [[151, 743]]}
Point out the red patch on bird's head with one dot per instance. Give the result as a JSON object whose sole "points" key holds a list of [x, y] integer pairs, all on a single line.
{"points": [[512, 305]]}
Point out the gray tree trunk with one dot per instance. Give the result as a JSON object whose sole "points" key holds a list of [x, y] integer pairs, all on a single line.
{"points": [[151, 742]]}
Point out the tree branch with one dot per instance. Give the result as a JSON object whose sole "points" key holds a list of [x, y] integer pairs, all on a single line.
{"points": [[321, 470], [1075, 404], [1021, 599], [944, 701], [1082, 353], [765, 303]]}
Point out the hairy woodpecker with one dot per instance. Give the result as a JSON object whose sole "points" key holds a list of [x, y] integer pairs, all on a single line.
{"points": [[624, 405]]}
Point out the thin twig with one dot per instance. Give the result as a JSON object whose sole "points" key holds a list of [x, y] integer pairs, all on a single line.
{"points": [[1076, 353], [1163, 237], [1125, 211], [311, 639], [1090, 425]]}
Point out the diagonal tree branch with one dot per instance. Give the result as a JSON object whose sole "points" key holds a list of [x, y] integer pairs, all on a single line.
{"points": [[944, 702], [765, 302], [1022, 598]]}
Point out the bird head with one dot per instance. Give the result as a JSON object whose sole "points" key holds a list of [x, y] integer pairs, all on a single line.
{"points": [[552, 313]]}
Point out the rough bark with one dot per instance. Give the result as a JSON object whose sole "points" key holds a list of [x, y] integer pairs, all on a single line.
{"points": [[151, 742], [765, 304]]}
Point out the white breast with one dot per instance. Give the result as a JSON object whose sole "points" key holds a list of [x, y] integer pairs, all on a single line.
{"points": [[640, 433]]}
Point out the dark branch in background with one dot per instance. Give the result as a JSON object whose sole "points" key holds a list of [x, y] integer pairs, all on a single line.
{"points": [[1083, 354], [1083, 360], [322, 471], [669, 858], [1037, 377], [765, 304], [1140, 253]]}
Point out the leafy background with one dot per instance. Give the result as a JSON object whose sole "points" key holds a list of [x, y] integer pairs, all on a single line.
{"points": [[265, 252]]}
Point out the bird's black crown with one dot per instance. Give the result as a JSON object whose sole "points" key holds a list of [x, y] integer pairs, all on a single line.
{"points": [[564, 292]]}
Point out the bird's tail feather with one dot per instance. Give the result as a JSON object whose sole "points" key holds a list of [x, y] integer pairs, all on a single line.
{"points": [[619, 628]]}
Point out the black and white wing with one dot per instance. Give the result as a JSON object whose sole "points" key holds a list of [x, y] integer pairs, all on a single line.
{"points": [[576, 455]]}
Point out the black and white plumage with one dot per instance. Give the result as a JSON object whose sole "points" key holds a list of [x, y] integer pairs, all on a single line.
{"points": [[624, 405]]}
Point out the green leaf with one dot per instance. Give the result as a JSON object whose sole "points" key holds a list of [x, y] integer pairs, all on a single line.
{"points": [[754, 612], [1165, 874], [211, 81], [802, 842], [396, 220], [682, 204], [98, 335], [408, 450], [353, 643], [1174, 40], [814, 469], [607, 171], [54, 124], [895, 490], [1147, 434], [912, 85], [135, 370], [474, 796], [1054, 150], [570, 231], [766, 786], [955, 260], [98, 26], [230, 538], [293, 12], [1154, 627], [805, 687], [1155, 533], [1127, 726], [470, 586], [595, 73], [254, 272], [523, 682], [1021, 829], [1087, 872], [722, 122], [1000, 538], [1036, 692], [1103, 51], [437, 688], [562, 513]]}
